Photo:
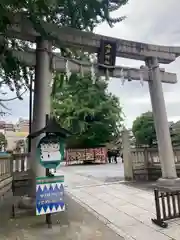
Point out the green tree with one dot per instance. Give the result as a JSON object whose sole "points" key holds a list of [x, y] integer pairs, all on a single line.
{"points": [[3, 141], [80, 14], [144, 130], [88, 110], [175, 133]]}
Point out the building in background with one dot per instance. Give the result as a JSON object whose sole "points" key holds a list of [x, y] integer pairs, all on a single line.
{"points": [[22, 125], [13, 138], [15, 132], [5, 127]]}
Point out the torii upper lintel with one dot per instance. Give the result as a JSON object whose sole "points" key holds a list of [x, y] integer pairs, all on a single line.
{"points": [[22, 28]]}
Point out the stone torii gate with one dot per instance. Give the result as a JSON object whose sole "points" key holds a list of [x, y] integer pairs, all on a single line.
{"points": [[152, 55]]}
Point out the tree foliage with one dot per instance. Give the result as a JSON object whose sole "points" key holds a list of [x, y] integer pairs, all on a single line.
{"points": [[144, 130], [80, 14], [88, 110], [175, 133], [3, 141]]}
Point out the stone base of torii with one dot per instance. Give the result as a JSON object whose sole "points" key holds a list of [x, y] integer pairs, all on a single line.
{"points": [[151, 54]]}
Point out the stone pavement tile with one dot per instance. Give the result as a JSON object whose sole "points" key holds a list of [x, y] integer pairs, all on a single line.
{"points": [[108, 198], [103, 209], [177, 221], [145, 195], [139, 231], [113, 215], [73, 190], [142, 203], [127, 198], [74, 180], [139, 208], [128, 193], [114, 200], [120, 232], [121, 216], [90, 209], [132, 210], [121, 219], [119, 194], [111, 200], [94, 190], [126, 189], [117, 202], [173, 231], [109, 210], [103, 196], [146, 220], [83, 196], [77, 191], [89, 200]]}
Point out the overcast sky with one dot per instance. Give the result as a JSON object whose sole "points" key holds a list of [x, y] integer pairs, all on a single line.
{"points": [[151, 21]]}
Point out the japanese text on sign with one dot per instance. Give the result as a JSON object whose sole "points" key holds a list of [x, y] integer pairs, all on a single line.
{"points": [[107, 53], [49, 195]]}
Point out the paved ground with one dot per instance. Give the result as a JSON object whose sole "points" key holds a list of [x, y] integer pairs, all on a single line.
{"points": [[94, 174], [125, 209], [76, 223]]}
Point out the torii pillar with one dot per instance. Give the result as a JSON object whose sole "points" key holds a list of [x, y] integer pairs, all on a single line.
{"points": [[41, 104], [166, 155]]}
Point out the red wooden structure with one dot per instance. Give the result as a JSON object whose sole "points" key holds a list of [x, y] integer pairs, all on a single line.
{"points": [[80, 156]]}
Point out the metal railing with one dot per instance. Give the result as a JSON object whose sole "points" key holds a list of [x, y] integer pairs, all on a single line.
{"points": [[167, 206]]}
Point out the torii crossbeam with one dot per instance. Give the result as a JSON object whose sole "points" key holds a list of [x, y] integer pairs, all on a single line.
{"points": [[59, 64], [22, 28]]}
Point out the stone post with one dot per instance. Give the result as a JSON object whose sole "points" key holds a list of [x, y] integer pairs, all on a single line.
{"points": [[128, 165]]}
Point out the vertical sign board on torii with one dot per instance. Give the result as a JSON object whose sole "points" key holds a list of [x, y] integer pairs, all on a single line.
{"points": [[107, 55]]}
